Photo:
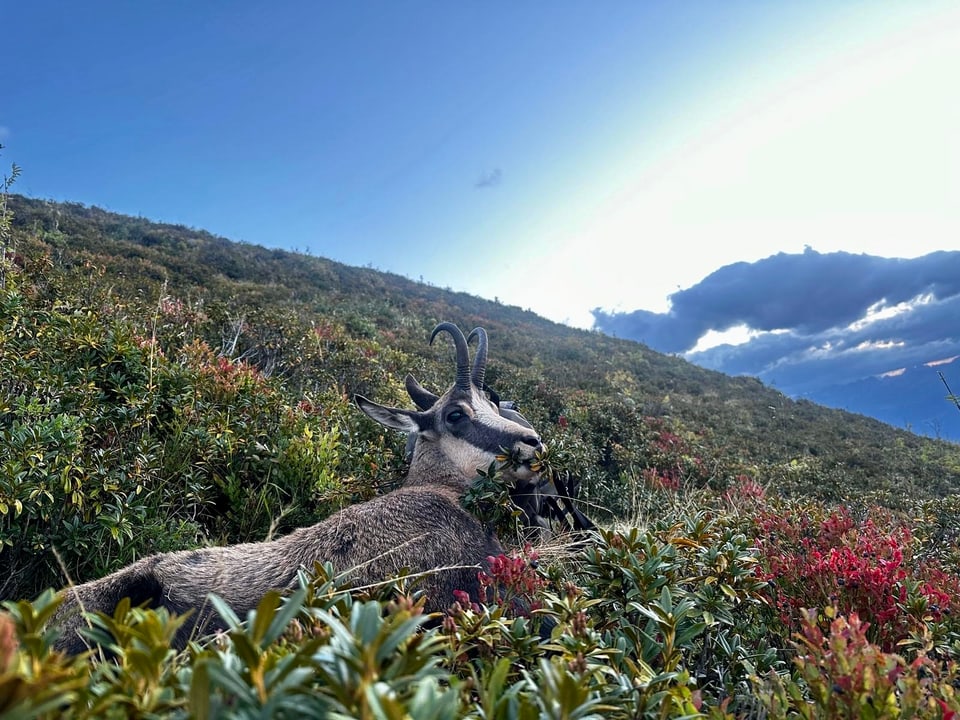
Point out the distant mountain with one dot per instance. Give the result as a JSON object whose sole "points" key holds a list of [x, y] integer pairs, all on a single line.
{"points": [[824, 326], [914, 399]]}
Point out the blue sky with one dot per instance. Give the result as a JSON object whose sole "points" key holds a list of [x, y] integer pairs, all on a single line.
{"points": [[560, 156]]}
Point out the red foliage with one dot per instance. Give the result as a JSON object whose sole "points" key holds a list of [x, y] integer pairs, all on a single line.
{"points": [[744, 489], [661, 479], [513, 579], [673, 460], [843, 669], [853, 567], [463, 600], [668, 442]]}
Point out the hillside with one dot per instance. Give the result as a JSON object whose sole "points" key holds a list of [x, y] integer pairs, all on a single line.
{"points": [[611, 386], [163, 389]]}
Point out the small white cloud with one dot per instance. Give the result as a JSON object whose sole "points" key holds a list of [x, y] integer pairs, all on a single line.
{"points": [[878, 345], [4, 132], [944, 361], [893, 373], [489, 179]]}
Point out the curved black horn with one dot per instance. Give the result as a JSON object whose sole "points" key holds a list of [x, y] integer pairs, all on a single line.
{"points": [[480, 361], [463, 355], [423, 398]]}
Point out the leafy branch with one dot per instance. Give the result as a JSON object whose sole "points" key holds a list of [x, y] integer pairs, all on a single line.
{"points": [[5, 217]]}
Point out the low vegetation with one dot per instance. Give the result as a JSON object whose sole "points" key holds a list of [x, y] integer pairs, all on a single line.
{"points": [[161, 389]]}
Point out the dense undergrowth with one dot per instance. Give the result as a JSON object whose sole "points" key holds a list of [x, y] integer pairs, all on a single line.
{"points": [[689, 614], [138, 415]]}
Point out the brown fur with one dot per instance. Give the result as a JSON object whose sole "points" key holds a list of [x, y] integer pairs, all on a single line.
{"points": [[420, 527]]}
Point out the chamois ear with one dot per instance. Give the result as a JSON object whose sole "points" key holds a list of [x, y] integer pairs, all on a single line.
{"points": [[396, 418], [423, 398]]}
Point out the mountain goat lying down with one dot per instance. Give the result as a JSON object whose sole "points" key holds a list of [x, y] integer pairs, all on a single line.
{"points": [[420, 526], [545, 501]]}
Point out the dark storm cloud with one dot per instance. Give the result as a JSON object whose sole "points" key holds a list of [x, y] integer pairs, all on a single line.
{"points": [[664, 332], [812, 300], [813, 292]]}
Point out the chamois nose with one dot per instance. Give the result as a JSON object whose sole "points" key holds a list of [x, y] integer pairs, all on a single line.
{"points": [[533, 442]]}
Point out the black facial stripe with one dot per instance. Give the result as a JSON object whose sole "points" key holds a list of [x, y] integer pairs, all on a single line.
{"points": [[490, 438]]}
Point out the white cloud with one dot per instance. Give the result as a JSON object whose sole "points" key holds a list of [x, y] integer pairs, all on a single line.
{"points": [[881, 311], [738, 335], [732, 336], [878, 345]]}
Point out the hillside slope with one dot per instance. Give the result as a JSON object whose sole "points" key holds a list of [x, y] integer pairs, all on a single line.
{"points": [[618, 396], [164, 389]]}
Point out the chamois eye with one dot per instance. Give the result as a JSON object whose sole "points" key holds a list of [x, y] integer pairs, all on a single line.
{"points": [[455, 416]]}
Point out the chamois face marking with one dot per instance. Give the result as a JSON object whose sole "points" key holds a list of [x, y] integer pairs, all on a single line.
{"points": [[463, 428], [473, 433]]}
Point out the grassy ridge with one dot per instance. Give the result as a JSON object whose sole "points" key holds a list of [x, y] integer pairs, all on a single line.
{"points": [[163, 388], [279, 295]]}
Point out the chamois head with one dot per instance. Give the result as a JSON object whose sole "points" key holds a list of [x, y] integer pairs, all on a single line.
{"points": [[462, 430]]}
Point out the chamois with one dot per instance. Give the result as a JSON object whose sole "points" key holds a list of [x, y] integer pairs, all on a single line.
{"points": [[544, 501], [421, 526]]}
